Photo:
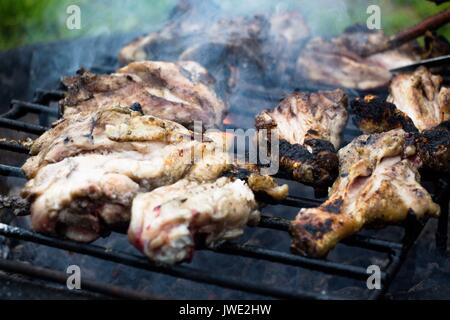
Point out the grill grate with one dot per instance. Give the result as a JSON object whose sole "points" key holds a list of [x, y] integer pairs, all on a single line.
{"points": [[44, 106]]}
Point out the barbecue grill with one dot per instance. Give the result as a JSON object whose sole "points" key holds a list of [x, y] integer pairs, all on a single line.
{"points": [[34, 118]]}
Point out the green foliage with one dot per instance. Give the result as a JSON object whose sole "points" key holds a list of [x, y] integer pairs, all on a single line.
{"points": [[29, 21]]}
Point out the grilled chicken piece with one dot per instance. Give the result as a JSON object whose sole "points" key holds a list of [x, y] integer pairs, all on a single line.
{"points": [[315, 163], [421, 96], [309, 127], [373, 114], [304, 116], [82, 196], [189, 25], [341, 62], [378, 182], [433, 147], [261, 185], [167, 221], [106, 130], [181, 92]]}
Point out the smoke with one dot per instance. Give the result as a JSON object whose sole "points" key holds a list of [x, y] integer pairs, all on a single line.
{"points": [[108, 25]]}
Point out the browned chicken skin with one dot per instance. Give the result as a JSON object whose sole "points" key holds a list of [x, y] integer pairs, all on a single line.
{"points": [[181, 92], [421, 96], [422, 107], [341, 62], [378, 182], [166, 221], [106, 130], [309, 127], [305, 116], [374, 115], [314, 164]]}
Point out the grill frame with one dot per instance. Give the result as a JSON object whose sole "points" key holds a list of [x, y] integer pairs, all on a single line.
{"points": [[397, 251]]}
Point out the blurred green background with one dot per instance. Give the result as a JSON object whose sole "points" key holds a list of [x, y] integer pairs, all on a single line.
{"points": [[29, 21]]}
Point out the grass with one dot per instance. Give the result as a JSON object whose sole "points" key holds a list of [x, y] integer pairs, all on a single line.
{"points": [[30, 21]]}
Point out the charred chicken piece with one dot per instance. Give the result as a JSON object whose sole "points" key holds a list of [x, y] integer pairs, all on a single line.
{"points": [[106, 130], [341, 62], [315, 163], [433, 148], [305, 116], [421, 96], [378, 182], [373, 114], [309, 126], [167, 221], [181, 92]]}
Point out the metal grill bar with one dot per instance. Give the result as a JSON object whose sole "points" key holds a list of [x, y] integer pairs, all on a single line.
{"points": [[142, 263], [48, 95], [35, 107], [361, 241], [13, 146], [295, 260], [22, 126], [11, 171], [17, 267]]}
